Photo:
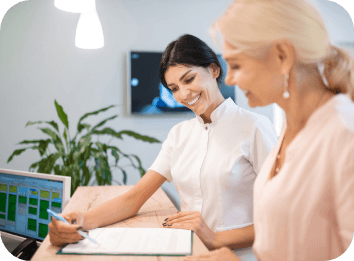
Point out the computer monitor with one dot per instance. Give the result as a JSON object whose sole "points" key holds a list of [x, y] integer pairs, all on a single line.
{"points": [[24, 199]]}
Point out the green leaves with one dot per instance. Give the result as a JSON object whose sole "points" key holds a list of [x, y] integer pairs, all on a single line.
{"points": [[115, 155], [42, 147], [104, 121], [86, 174], [62, 115], [103, 170], [138, 136], [107, 131], [33, 166], [84, 158], [46, 165], [140, 167], [83, 126], [56, 140], [51, 133], [15, 153], [111, 132], [31, 123], [65, 135], [54, 124], [79, 125], [29, 141], [124, 173]]}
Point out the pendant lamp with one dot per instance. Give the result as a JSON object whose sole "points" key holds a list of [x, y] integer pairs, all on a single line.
{"points": [[89, 33], [75, 6]]}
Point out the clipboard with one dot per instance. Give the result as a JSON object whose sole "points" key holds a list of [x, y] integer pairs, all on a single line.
{"points": [[129, 253]]}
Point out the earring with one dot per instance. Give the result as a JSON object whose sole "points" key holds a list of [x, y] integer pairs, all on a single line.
{"points": [[286, 94]]}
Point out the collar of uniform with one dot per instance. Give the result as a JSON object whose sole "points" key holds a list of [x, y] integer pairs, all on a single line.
{"points": [[219, 112]]}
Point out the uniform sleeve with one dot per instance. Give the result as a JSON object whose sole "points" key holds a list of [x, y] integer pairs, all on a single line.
{"points": [[263, 139], [162, 163]]}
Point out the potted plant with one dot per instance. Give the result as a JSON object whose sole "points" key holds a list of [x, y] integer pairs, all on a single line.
{"points": [[83, 156]]}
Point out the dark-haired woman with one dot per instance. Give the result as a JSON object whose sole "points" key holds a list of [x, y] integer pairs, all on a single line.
{"points": [[213, 159]]}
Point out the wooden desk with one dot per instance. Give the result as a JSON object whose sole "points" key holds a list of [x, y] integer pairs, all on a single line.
{"points": [[152, 214]]}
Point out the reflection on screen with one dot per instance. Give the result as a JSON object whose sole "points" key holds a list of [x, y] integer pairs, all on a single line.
{"points": [[24, 202], [148, 96]]}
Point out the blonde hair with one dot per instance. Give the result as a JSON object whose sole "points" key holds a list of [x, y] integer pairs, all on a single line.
{"points": [[249, 25]]}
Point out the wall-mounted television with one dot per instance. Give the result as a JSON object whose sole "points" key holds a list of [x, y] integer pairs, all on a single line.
{"points": [[146, 94]]}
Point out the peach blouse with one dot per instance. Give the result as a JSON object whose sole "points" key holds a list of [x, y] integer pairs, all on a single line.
{"points": [[306, 212]]}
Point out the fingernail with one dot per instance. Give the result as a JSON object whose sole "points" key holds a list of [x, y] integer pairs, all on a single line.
{"points": [[78, 228], [166, 219], [164, 224], [169, 225]]}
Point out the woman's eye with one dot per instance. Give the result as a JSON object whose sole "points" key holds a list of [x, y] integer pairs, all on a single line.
{"points": [[235, 67], [190, 79], [173, 90]]}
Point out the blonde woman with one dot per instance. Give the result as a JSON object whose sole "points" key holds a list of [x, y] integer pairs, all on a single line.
{"points": [[279, 51]]}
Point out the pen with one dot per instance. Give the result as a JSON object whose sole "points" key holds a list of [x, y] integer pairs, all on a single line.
{"points": [[64, 220]]}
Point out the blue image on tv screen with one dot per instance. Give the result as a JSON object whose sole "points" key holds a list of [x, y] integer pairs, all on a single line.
{"points": [[149, 96]]}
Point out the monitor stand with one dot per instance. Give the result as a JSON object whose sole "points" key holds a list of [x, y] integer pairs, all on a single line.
{"points": [[23, 249], [10, 242], [26, 249]]}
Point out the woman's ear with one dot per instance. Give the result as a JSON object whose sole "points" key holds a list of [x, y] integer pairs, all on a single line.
{"points": [[215, 70], [285, 54]]}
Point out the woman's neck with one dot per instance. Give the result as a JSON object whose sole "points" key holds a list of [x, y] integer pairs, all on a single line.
{"points": [[206, 116], [302, 104]]}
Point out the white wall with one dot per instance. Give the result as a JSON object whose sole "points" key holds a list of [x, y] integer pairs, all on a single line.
{"points": [[39, 63]]}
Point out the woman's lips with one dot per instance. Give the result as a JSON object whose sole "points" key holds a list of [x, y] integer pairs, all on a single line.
{"points": [[194, 100]]}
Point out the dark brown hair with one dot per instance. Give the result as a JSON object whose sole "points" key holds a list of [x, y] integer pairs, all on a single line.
{"points": [[187, 50]]}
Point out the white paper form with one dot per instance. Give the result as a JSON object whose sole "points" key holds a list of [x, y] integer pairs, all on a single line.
{"points": [[131, 241]]}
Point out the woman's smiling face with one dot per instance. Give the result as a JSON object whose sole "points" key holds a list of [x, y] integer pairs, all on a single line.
{"points": [[259, 78], [194, 87]]}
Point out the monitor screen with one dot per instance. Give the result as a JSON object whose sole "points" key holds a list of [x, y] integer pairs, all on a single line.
{"points": [[24, 201], [146, 94]]}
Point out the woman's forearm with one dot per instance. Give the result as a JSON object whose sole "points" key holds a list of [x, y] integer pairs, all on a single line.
{"points": [[110, 212], [126, 205], [235, 238]]}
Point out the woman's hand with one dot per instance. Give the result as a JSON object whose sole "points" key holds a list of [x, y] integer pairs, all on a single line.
{"points": [[221, 254], [192, 220], [61, 233]]}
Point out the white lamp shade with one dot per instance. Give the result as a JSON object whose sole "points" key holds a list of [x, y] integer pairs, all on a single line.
{"points": [[75, 6], [89, 34]]}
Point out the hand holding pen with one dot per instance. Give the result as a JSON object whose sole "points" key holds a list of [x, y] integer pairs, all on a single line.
{"points": [[62, 232]]}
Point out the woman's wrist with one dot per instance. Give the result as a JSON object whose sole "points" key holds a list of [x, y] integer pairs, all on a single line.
{"points": [[234, 238], [209, 239], [88, 221], [215, 243]]}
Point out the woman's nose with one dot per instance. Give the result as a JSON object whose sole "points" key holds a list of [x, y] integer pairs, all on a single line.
{"points": [[185, 93], [229, 79]]}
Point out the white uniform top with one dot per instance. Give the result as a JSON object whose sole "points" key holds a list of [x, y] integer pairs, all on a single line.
{"points": [[214, 165], [306, 212]]}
